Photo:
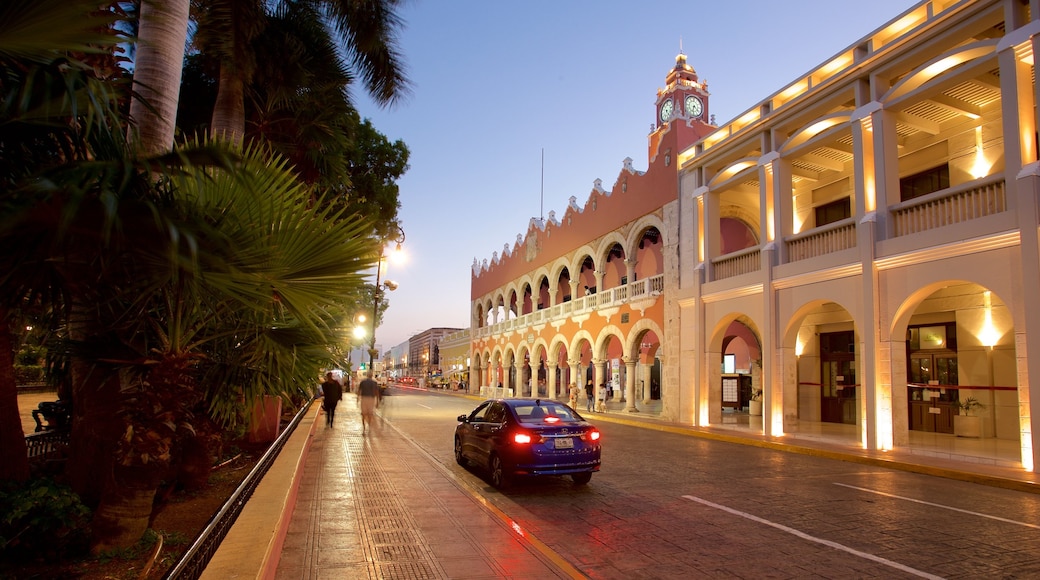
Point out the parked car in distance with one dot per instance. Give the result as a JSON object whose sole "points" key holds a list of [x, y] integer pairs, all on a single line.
{"points": [[525, 437]]}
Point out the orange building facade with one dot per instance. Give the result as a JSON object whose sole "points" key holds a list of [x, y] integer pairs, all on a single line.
{"points": [[581, 298]]}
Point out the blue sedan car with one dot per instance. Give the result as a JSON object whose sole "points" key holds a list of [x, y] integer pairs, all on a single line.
{"points": [[521, 437]]}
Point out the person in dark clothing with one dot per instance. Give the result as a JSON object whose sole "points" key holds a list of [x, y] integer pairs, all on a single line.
{"points": [[589, 395], [332, 392]]}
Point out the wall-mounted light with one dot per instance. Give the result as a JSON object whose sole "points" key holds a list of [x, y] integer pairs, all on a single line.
{"points": [[988, 334], [980, 166]]}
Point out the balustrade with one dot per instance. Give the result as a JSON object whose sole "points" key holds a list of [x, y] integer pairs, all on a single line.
{"points": [[736, 263], [611, 297], [950, 206], [835, 237]]}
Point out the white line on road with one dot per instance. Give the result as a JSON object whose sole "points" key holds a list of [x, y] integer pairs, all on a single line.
{"points": [[805, 536], [939, 505], [424, 406]]}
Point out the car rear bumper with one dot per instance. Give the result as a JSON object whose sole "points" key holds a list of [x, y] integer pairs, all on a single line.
{"points": [[555, 469]]}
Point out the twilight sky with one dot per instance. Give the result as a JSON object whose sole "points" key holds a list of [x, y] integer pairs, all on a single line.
{"points": [[496, 83]]}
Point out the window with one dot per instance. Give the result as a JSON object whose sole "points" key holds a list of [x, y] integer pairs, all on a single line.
{"points": [[834, 211], [497, 414], [925, 182]]}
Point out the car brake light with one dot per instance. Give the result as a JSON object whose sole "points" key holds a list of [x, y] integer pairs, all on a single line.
{"points": [[594, 435], [521, 438], [552, 419]]}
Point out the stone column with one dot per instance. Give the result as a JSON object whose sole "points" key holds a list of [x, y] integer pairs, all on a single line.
{"points": [[647, 389], [630, 385], [576, 377], [518, 372], [550, 380], [630, 270], [599, 377]]}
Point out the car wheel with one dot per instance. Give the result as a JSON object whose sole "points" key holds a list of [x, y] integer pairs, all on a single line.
{"points": [[582, 478], [499, 476], [459, 457]]}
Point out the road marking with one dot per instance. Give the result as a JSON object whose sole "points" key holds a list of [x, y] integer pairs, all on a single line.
{"points": [[805, 536], [424, 406], [939, 505], [561, 563]]}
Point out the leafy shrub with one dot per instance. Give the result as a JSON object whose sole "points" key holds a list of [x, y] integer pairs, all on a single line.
{"points": [[28, 374], [29, 355], [41, 519]]}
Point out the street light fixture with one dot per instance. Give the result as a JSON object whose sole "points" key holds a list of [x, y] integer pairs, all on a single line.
{"points": [[378, 294]]}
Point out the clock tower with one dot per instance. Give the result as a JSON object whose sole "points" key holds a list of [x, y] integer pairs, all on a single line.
{"points": [[684, 95], [682, 108]]}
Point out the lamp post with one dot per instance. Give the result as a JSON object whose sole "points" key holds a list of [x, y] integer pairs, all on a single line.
{"points": [[377, 294]]}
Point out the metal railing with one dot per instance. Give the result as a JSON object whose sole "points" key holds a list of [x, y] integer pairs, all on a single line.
{"points": [[44, 445], [197, 557]]}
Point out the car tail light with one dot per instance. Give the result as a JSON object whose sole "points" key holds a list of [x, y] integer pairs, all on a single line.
{"points": [[593, 435], [522, 438], [552, 419]]}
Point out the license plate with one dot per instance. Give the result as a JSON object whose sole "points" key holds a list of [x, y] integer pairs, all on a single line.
{"points": [[564, 443]]}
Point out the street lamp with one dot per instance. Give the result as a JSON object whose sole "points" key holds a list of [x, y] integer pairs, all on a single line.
{"points": [[377, 294]]}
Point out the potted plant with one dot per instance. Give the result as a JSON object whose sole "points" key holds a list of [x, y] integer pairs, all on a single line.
{"points": [[966, 423], [755, 404]]}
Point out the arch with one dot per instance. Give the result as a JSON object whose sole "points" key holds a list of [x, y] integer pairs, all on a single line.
{"points": [[609, 331], [638, 330], [579, 337], [939, 67], [821, 127], [738, 168]]}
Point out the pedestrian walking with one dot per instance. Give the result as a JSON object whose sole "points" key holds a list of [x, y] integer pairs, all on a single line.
{"points": [[572, 393], [601, 398], [368, 395], [332, 392], [589, 396]]}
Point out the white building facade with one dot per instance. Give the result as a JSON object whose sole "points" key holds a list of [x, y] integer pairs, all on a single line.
{"points": [[891, 266]]}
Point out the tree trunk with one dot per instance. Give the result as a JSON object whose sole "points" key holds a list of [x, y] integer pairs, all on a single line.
{"points": [[126, 508], [95, 430], [229, 112], [158, 63], [14, 459]]}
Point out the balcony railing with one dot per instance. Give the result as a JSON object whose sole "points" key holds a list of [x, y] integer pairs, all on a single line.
{"points": [[835, 237], [736, 263], [950, 206], [616, 296]]}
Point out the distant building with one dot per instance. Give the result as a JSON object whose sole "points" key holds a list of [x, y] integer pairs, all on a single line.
{"points": [[424, 352], [455, 356], [397, 360]]}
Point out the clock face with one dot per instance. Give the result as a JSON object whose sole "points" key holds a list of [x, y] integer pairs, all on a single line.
{"points": [[666, 111], [694, 106]]}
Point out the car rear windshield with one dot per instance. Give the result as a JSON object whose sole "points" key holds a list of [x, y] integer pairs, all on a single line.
{"points": [[537, 412]]}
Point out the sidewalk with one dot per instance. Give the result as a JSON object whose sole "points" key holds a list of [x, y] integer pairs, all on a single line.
{"points": [[374, 506]]}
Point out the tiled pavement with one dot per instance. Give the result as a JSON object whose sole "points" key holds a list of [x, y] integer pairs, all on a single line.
{"points": [[374, 506]]}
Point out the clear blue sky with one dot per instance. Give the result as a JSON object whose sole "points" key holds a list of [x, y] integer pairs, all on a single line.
{"points": [[496, 83]]}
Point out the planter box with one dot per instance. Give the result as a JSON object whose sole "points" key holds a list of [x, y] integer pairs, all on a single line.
{"points": [[967, 426], [754, 407], [267, 417]]}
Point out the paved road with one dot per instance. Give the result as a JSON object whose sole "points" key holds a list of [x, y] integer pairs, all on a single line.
{"points": [[669, 506]]}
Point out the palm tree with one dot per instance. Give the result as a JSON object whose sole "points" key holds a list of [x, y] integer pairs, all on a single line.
{"points": [[51, 102], [162, 33], [221, 312], [366, 31]]}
